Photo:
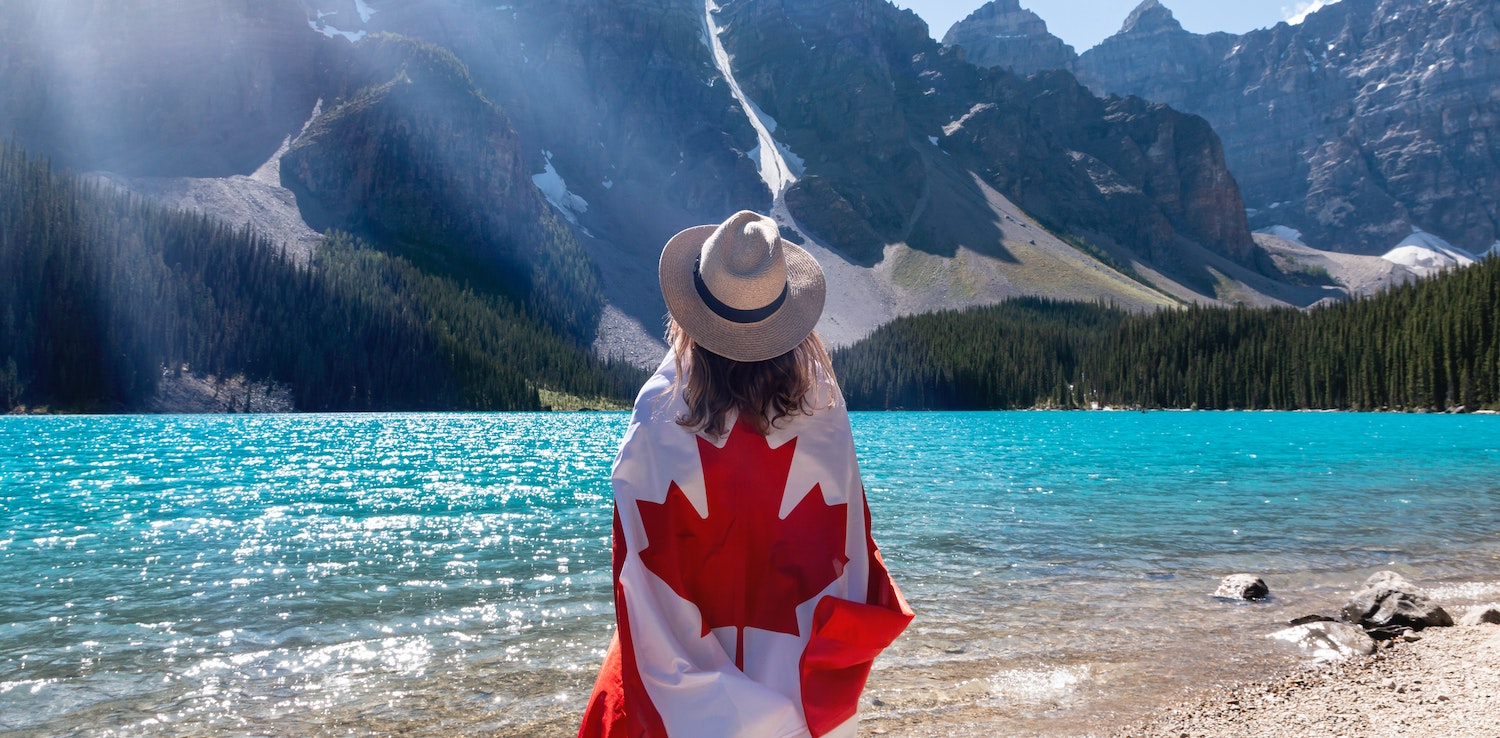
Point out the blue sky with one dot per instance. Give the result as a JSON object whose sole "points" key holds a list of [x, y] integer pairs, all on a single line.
{"points": [[1084, 23]]}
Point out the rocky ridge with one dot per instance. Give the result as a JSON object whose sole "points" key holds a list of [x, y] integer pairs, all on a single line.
{"points": [[1369, 120], [414, 157]]}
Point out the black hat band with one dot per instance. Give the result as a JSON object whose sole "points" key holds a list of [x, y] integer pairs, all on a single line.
{"points": [[735, 315]]}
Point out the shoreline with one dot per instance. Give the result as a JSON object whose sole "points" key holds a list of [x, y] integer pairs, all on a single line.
{"points": [[1447, 683], [1440, 680]]}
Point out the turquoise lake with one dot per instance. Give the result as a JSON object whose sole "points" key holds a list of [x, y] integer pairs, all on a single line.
{"points": [[446, 574]]}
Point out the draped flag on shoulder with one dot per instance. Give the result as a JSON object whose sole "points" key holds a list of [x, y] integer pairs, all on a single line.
{"points": [[750, 597]]}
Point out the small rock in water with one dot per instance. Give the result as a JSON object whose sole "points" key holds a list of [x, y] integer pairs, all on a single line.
{"points": [[1328, 641], [1242, 587], [1482, 614]]}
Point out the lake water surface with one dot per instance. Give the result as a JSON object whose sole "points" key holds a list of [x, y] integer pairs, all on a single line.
{"points": [[444, 574]]}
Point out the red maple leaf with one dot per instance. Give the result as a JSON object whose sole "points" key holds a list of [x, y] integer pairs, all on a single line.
{"points": [[743, 565]]}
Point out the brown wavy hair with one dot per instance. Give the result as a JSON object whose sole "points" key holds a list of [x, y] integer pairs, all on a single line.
{"points": [[764, 392]]}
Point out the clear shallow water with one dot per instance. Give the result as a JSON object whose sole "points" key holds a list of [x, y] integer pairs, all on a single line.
{"points": [[450, 573]]}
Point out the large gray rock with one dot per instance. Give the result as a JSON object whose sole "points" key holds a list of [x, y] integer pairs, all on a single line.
{"points": [[1389, 604], [1327, 640], [1242, 587], [1481, 614]]}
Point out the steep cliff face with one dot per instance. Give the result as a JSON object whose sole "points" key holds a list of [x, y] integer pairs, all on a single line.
{"points": [[1123, 170], [1003, 34], [836, 78], [158, 88], [416, 158], [1369, 119]]}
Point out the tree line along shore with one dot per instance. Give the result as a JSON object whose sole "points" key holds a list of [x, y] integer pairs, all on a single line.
{"points": [[1432, 345], [103, 296]]}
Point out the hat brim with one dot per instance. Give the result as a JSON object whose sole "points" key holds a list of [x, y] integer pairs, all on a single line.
{"points": [[758, 341]]}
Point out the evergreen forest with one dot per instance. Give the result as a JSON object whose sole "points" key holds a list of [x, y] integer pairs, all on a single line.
{"points": [[1427, 345], [102, 295]]}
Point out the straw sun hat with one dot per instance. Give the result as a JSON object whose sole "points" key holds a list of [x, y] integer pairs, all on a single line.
{"points": [[739, 290]]}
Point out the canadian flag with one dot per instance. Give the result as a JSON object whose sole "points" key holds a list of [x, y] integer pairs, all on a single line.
{"points": [[749, 595]]}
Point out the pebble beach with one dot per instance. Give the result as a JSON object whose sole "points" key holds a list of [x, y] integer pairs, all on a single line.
{"points": [[1445, 684]]}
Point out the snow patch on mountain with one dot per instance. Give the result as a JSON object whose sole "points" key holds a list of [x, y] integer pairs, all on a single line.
{"points": [[332, 32], [556, 191], [365, 11], [1304, 9], [779, 167], [361, 8], [1285, 233], [1427, 254]]}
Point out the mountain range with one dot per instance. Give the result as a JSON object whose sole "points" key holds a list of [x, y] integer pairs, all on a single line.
{"points": [[1371, 127], [546, 150]]}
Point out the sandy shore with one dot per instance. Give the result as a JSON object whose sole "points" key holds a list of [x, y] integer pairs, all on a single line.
{"points": [[1446, 684]]}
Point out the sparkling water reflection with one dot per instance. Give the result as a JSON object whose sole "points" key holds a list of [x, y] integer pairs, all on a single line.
{"points": [[450, 573]]}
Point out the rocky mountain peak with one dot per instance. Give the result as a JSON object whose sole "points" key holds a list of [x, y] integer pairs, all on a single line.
{"points": [[1002, 17], [1150, 17], [998, 10], [1004, 34], [1369, 119]]}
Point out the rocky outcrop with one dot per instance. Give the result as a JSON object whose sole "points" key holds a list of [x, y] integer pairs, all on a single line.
{"points": [[1003, 34], [187, 392], [417, 159], [1121, 170], [1366, 120], [1389, 604]]}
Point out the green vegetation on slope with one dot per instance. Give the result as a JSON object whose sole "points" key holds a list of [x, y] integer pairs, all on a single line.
{"points": [[1430, 345], [101, 292]]}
